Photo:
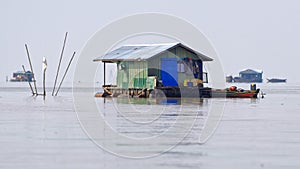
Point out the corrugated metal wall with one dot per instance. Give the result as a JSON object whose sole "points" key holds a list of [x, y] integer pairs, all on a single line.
{"points": [[179, 53], [135, 74], [132, 74], [169, 72]]}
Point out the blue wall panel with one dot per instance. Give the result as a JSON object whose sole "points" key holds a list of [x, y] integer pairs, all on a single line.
{"points": [[169, 74]]}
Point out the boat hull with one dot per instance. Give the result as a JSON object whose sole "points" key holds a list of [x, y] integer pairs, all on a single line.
{"points": [[276, 80]]}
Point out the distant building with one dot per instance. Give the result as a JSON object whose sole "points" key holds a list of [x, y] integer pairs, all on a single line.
{"points": [[229, 79], [249, 76], [21, 76]]}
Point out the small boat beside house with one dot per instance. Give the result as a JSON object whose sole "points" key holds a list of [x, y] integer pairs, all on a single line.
{"points": [[234, 92], [276, 80], [171, 70]]}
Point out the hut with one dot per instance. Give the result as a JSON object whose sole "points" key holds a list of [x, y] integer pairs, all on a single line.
{"points": [[145, 67], [21, 76], [229, 79], [249, 76]]}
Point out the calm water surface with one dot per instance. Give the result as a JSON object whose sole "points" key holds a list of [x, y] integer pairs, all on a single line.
{"points": [[260, 133]]}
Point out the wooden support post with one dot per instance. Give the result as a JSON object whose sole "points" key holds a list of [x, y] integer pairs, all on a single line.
{"points": [[44, 82], [34, 81], [44, 75], [65, 73], [59, 63], [104, 72], [28, 80]]}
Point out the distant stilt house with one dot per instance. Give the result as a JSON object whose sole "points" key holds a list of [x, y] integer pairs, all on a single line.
{"points": [[21, 76], [249, 76], [229, 79], [151, 66]]}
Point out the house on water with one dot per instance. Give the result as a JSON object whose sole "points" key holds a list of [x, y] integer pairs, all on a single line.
{"points": [[145, 67], [21, 76], [249, 76]]}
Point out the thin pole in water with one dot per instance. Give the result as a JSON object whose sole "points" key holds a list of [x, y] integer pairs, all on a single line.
{"points": [[28, 80], [65, 73], [34, 81], [104, 73], [44, 75], [59, 63], [44, 85]]}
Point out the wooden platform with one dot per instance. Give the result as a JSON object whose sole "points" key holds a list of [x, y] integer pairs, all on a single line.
{"points": [[176, 92]]}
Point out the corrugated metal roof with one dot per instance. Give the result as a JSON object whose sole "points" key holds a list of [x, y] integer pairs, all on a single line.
{"points": [[21, 72], [143, 52]]}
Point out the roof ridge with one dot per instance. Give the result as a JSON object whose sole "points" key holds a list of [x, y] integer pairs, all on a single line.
{"points": [[153, 44]]}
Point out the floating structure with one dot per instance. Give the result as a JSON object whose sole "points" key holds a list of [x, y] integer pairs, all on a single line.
{"points": [[276, 80], [229, 79], [247, 76], [171, 70], [21, 76]]}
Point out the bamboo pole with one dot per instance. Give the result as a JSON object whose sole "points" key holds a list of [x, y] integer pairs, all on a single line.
{"points": [[65, 73], [59, 63], [34, 81], [28, 81], [44, 76], [44, 82], [104, 72]]}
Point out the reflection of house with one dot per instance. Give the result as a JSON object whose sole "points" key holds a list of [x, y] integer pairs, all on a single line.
{"points": [[249, 76], [157, 65], [21, 76]]}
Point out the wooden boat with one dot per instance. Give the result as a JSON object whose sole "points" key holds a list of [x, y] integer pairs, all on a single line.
{"points": [[275, 80], [242, 94], [232, 92]]}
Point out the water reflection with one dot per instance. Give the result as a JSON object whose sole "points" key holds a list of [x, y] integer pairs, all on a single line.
{"points": [[158, 101], [166, 121]]}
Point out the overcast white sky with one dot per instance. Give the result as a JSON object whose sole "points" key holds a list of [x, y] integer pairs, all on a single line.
{"points": [[246, 34]]}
